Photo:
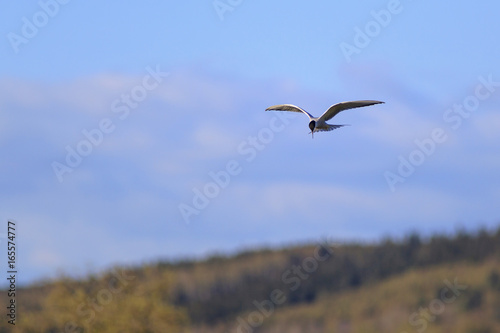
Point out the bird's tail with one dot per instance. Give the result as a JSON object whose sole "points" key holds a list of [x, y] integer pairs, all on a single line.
{"points": [[332, 127]]}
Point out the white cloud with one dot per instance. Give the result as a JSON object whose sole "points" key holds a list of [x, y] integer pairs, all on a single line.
{"points": [[397, 124], [293, 206], [199, 93], [488, 125], [46, 258], [214, 140]]}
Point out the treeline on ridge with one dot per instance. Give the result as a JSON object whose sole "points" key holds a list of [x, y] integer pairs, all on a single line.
{"points": [[171, 296], [220, 288]]}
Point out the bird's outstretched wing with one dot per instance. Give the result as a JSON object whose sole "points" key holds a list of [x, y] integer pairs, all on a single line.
{"points": [[288, 107], [336, 108]]}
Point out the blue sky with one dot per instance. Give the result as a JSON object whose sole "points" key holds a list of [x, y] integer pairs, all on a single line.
{"points": [[156, 98]]}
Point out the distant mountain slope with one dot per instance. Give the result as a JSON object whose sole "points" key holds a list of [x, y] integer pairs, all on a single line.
{"points": [[461, 297], [382, 287], [220, 288]]}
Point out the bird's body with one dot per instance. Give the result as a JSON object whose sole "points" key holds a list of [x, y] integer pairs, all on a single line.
{"points": [[318, 124]]}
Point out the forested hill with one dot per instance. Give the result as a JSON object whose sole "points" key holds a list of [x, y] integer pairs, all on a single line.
{"points": [[266, 290]]}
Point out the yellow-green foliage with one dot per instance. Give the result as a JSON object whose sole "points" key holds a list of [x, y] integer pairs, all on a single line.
{"points": [[130, 303], [387, 306], [389, 287]]}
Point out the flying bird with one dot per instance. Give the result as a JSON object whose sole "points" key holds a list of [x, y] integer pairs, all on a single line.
{"points": [[318, 124]]}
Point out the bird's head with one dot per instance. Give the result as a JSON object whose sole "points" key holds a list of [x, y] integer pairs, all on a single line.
{"points": [[312, 126]]}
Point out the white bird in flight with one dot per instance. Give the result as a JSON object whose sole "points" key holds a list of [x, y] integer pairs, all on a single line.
{"points": [[318, 124]]}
